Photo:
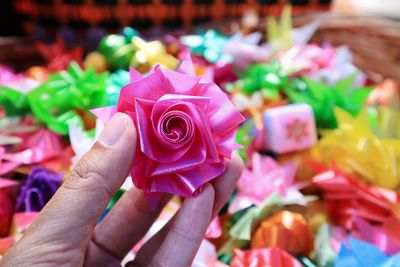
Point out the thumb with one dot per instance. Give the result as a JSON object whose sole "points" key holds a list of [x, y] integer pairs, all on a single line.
{"points": [[71, 215]]}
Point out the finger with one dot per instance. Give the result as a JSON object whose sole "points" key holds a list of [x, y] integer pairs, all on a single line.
{"points": [[226, 183], [71, 215], [127, 222], [185, 232], [223, 187]]}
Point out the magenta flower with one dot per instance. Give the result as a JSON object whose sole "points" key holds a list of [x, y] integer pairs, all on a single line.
{"points": [[186, 128]]}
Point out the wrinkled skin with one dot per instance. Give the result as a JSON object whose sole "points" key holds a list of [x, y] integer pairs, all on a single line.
{"points": [[65, 233]]}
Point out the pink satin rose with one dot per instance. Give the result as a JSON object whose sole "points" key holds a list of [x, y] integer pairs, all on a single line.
{"points": [[186, 128]]}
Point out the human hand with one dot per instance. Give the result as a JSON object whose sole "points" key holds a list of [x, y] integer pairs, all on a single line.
{"points": [[65, 232]]}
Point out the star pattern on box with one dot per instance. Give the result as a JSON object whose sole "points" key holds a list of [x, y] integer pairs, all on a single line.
{"points": [[296, 130]]}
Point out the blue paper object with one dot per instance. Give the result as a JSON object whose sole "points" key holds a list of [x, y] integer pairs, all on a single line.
{"points": [[358, 253]]}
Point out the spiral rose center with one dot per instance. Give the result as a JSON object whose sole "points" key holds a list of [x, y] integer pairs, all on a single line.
{"points": [[176, 127]]}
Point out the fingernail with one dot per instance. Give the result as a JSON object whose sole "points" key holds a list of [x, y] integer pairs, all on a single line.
{"points": [[114, 129]]}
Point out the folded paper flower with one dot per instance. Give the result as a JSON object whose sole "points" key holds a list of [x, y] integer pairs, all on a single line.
{"points": [[286, 230], [38, 147], [384, 93], [324, 98], [358, 253], [348, 199], [117, 50], [209, 44], [149, 54], [339, 67], [351, 146], [274, 257], [383, 236], [266, 78], [245, 49], [244, 226], [186, 128], [57, 101], [306, 59], [13, 102], [38, 189], [57, 55], [262, 178]]}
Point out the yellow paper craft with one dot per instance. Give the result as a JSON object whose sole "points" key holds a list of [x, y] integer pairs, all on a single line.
{"points": [[358, 151], [149, 54]]}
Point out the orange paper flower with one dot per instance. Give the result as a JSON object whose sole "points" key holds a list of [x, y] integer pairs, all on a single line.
{"points": [[287, 230]]}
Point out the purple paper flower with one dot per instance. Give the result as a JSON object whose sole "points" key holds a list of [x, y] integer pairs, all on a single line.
{"points": [[38, 189]]}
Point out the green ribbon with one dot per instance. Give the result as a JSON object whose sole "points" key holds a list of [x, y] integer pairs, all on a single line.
{"points": [[244, 137], [55, 102], [13, 102], [118, 50], [323, 98], [243, 226], [264, 78]]}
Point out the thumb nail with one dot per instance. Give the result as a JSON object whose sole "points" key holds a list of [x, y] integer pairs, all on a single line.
{"points": [[114, 129]]}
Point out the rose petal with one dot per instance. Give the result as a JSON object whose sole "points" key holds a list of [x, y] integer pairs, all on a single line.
{"points": [[182, 83], [149, 142], [134, 74], [175, 129], [166, 101], [223, 119], [186, 65], [203, 174], [195, 156], [147, 88], [169, 183], [139, 168], [199, 118], [187, 182], [226, 143]]}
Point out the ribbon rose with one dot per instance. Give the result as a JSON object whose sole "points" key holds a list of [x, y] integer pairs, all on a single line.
{"points": [[186, 128]]}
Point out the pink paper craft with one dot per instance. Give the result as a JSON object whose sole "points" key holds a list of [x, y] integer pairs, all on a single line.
{"points": [[41, 146], [306, 59], [377, 235], [186, 128], [264, 177], [8, 194], [206, 255], [21, 221], [5, 244], [347, 199], [274, 257], [15, 81], [214, 230], [6, 167], [290, 128], [245, 49]]}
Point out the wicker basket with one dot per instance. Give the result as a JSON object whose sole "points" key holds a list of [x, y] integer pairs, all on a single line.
{"points": [[375, 42]]}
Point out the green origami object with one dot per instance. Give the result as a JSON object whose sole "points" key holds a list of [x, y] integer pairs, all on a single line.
{"points": [[324, 98], [13, 102], [266, 78], [56, 102]]}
